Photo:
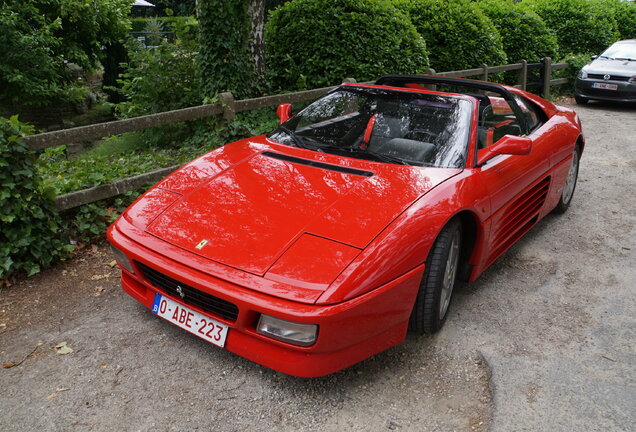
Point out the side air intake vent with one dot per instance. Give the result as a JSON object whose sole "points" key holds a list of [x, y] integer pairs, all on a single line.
{"points": [[520, 216], [315, 164]]}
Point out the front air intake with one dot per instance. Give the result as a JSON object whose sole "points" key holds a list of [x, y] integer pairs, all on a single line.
{"points": [[191, 296]]}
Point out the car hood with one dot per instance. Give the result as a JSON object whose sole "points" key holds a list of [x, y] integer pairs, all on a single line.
{"points": [[612, 67], [248, 214]]}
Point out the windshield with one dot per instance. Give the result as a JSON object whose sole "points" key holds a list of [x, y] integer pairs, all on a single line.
{"points": [[621, 51], [383, 125]]}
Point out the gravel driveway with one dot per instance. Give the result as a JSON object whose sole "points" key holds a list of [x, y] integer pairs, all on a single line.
{"points": [[543, 341]]}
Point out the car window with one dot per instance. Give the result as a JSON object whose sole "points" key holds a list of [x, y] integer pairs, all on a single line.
{"points": [[401, 127], [621, 50], [497, 119], [533, 114]]}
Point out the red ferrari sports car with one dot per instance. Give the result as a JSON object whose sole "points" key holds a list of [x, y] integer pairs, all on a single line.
{"points": [[319, 245]]}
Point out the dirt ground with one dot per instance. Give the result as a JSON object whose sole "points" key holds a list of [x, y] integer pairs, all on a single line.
{"points": [[543, 341]]}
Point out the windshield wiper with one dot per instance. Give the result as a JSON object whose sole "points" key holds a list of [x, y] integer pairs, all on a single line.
{"points": [[624, 58], [386, 158], [378, 156], [298, 142]]}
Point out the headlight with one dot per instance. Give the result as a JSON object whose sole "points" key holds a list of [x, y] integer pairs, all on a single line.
{"points": [[632, 80], [582, 74], [122, 259], [287, 331]]}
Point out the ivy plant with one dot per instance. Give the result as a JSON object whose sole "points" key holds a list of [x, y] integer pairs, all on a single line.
{"points": [[31, 235]]}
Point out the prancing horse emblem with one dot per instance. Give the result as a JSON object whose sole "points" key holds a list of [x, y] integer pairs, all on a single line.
{"points": [[180, 292], [201, 244]]}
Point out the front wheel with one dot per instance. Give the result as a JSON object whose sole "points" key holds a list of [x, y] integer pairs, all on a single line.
{"points": [[580, 100], [440, 274], [570, 183]]}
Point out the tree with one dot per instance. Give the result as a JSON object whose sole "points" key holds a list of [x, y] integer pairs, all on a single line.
{"points": [[226, 30]]}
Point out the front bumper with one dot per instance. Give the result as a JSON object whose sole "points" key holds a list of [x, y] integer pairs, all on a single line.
{"points": [[625, 92], [349, 332]]}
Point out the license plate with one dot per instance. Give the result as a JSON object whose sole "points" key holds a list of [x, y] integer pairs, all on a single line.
{"points": [[192, 321], [605, 86]]}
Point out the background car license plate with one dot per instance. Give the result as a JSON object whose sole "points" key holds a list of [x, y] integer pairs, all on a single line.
{"points": [[194, 322], [605, 86]]}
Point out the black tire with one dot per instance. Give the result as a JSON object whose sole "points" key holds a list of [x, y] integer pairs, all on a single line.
{"points": [[580, 100], [428, 314], [566, 195]]}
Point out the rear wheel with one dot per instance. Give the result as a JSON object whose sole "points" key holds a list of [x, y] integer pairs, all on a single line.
{"points": [[570, 183], [440, 274], [581, 100]]}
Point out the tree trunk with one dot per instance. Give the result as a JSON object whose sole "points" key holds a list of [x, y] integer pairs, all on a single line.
{"points": [[256, 11]]}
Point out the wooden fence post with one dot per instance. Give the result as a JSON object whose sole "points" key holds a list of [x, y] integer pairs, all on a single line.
{"points": [[547, 76], [523, 74], [229, 105], [484, 75], [431, 71]]}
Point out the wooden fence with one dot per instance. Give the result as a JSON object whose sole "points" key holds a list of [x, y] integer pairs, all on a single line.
{"points": [[228, 107]]}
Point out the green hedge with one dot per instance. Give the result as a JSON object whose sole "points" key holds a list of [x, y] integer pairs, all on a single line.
{"points": [[581, 26], [625, 14], [457, 33], [524, 35], [315, 43], [30, 231]]}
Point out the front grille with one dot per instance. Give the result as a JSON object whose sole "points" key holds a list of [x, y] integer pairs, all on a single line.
{"points": [[192, 296], [611, 78]]}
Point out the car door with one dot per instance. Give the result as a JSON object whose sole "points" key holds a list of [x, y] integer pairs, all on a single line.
{"points": [[517, 184]]}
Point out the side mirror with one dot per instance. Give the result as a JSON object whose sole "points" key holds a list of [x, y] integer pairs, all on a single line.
{"points": [[594, 57], [284, 112], [508, 145]]}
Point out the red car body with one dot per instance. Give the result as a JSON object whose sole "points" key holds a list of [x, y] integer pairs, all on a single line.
{"points": [[311, 237]]}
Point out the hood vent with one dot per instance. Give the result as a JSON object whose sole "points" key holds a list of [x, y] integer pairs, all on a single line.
{"points": [[315, 164]]}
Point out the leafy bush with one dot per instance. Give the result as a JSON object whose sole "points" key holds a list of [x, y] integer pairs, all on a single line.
{"points": [[31, 67], [524, 34], [457, 33], [30, 233], [625, 14], [316, 43], [581, 26], [39, 36], [576, 61], [161, 79]]}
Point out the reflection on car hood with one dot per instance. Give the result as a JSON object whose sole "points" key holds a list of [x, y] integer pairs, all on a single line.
{"points": [[612, 67], [250, 212]]}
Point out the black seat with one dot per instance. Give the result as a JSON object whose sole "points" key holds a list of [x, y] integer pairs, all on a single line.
{"points": [[408, 149]]}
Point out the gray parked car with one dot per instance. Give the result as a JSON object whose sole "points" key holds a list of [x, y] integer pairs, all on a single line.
{"points": [[610, 76]]}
